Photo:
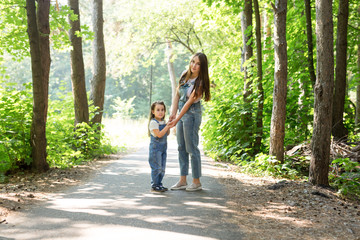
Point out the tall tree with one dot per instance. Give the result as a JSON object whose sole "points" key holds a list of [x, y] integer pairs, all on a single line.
{"points": [[39, 31], [247, 54], [259, 114], [339, 131], [323, 94], [97, 94], [310, 46], [357, 112], [171, 70], [277, 128], [77, 67]]}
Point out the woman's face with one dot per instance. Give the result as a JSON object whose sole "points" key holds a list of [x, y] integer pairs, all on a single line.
{"points": [[195, 66]]}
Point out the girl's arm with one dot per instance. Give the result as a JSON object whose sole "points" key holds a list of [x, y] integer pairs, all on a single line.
{"points": [[161, 133]]}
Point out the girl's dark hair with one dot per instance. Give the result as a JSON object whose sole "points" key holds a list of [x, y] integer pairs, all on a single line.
{"points": [[202, 80], [152, 108]]}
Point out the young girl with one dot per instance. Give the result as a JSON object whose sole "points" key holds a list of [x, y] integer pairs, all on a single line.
{"points": [[158, 131]]}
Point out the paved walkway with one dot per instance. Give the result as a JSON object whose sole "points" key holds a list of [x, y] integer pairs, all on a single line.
{"points": [[117, 204]]}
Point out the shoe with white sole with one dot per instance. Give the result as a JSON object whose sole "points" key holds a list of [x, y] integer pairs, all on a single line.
{"points": [[179, 186], [194, 187]]}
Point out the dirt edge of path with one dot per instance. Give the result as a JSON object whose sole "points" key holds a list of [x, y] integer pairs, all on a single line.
{"points": [[269, 208]]}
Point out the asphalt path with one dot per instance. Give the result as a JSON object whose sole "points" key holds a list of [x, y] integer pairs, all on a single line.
{"points": [[116, 203]]}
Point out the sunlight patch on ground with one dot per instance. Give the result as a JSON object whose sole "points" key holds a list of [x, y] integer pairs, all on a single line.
{"points": [[208, 205], [128, 232]]}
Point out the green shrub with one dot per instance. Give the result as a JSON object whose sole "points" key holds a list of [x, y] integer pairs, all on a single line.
{"points": [[69, 145], [66, 145], [264, 164], [345, 176], [15, 125]]}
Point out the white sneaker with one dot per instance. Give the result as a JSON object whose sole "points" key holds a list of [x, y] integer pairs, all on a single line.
{"points": [[178, 186], [194, 187]]}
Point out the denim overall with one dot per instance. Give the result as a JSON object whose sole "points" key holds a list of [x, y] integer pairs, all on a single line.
{"points": [[157, 157], [187, 134]]}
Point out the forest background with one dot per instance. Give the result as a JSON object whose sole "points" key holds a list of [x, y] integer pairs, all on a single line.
{"points": [[148, 45]]}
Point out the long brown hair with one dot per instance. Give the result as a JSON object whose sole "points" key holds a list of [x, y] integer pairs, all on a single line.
{"points": [[202, 81], [152, 108]]}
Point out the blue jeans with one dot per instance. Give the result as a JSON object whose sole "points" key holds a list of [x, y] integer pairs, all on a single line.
{"points": [[187, 134], [157, 158]]}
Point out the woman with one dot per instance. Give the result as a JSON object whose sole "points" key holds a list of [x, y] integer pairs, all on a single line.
{"points": [[194, 84]]}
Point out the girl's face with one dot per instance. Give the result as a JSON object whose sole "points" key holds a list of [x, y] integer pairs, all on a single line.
{"points": [[195, 66], [159, 112]]}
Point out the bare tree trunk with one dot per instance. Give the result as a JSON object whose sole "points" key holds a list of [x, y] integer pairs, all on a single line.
{"points": [[267, 31], [169, 54], [259, 114], [338, 129], [97, 94], [357, 112], [77, 68], [277, 128], [246, 23], [38, 31], [323, 94], [310, 42]]}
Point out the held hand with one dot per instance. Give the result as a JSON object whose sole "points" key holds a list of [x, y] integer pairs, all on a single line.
{"points": [[172, 123], [169, 124], [172, 117]]}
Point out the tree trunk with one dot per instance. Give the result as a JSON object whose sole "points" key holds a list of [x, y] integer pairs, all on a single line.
{"points": [[309, 42], [338, 129], [97, 94], [259, 114], [77, 68], [357, 112], [38, 31], [277, 128], [246, 23], [267, 31], [323, 94], [169, 54]]}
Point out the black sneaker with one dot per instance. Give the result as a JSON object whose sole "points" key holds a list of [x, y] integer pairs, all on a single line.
{"points": [[157, 189], [165, 188]]}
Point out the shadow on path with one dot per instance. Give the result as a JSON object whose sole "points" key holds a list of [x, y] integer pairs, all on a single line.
{"points": [[117, 204]]}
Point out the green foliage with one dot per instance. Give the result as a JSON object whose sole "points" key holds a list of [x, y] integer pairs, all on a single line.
{"points": [[300, 93], [69, 145], [264, 164], [59, 27], [13, 28], [15, 124], [224, 130], [138, 83], [124, 108], [139, 29], [224, 133], [345, 176]]}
